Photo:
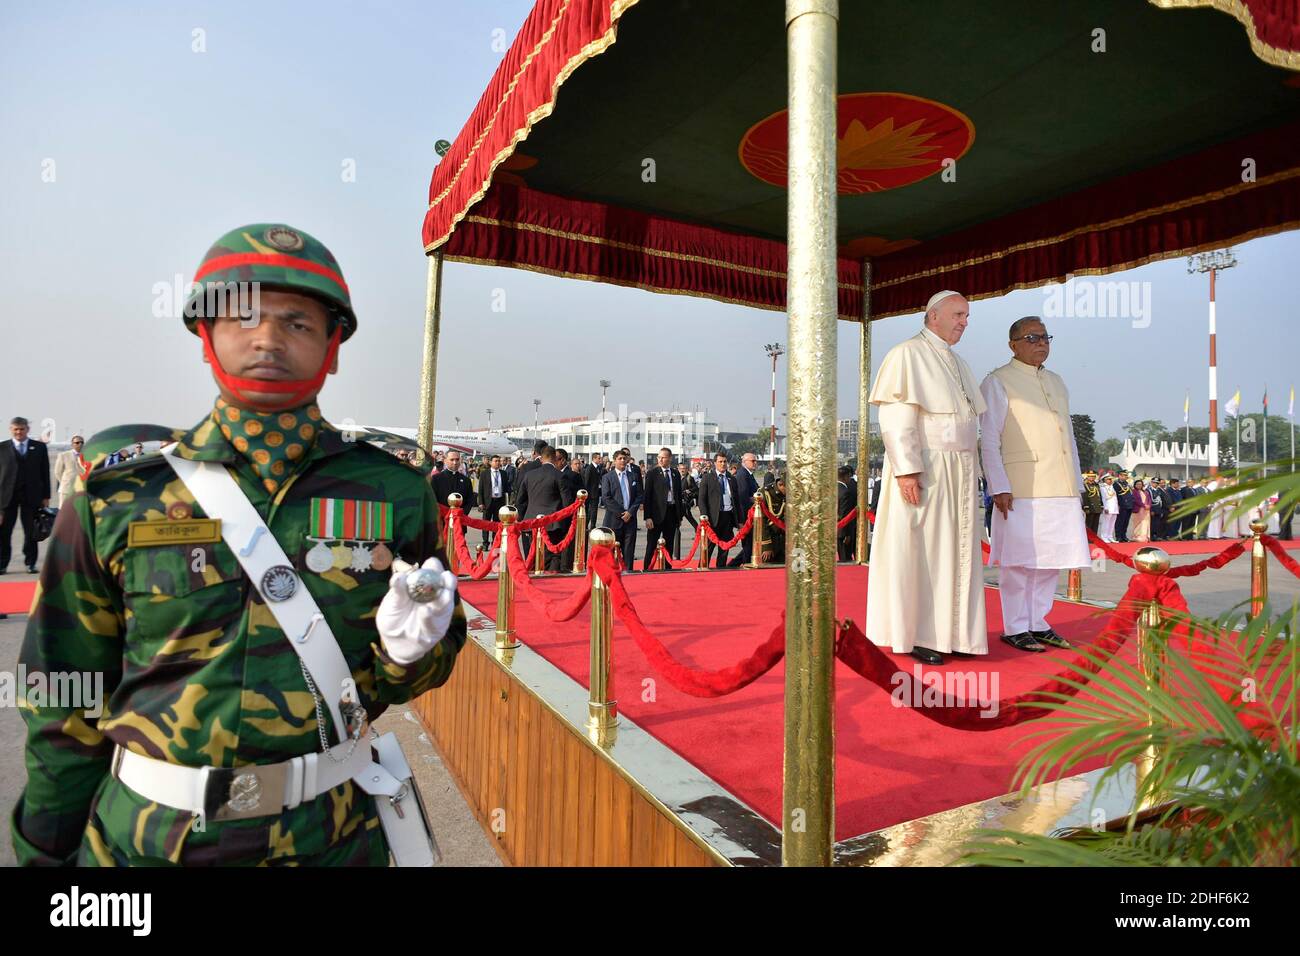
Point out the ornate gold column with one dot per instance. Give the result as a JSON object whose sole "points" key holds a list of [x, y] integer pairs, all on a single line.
{"points": [[429, 372], [864, 416], [808, 794]]}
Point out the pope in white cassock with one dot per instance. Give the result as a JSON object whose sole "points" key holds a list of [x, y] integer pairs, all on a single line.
{"points": [[925, 590], [1031, 464]]}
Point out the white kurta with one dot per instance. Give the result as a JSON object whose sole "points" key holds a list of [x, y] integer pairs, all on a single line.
{"points": [[926, 584], [1037, 532]]}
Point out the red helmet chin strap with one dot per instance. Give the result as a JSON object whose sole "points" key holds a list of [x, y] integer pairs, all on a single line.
{"points": [[298, 390]]}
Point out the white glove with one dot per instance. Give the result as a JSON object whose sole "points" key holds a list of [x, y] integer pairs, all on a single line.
{"points": [[408, 629]]}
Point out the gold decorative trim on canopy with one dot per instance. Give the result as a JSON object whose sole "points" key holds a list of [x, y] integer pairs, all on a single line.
{"points": [[1274, 56], [592, 49]]}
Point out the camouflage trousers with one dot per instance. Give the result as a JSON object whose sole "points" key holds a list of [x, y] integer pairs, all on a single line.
{"points": [[338, 828]]}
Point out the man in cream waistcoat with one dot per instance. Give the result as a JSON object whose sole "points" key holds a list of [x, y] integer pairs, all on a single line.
{"points": [[1032, 466], [925, 590]]}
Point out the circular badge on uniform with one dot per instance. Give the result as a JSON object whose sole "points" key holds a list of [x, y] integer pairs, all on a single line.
{"points": [[179, 511], [245, 793], [283, 238], [279, 583]]}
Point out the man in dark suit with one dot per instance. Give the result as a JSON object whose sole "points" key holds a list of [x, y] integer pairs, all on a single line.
{"points": [[846, 537], [621, 495], [24, 487], [719, 500], [1124, 498], [1159, 509], [493, 489], [517, 482], [451, 481], [592, 472], [690, 491], [746, 488], [1173, 526], [541, 492], [663, 501], [571, 479]]}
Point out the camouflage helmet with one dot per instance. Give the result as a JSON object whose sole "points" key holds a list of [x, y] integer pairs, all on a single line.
{"points": [[277, 257]]}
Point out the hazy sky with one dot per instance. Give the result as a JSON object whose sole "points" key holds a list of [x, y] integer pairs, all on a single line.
{"points": [[156, 150]]}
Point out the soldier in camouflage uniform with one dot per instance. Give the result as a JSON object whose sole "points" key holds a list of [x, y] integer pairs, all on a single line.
{"points": [[196, 670]]}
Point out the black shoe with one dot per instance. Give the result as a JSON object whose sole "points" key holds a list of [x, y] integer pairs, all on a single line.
{"points": [[1023, 642], [926, 656], [31, 569], [1051, 638]]}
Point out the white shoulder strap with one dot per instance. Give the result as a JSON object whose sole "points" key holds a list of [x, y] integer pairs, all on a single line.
{"points": [[275, 578]]}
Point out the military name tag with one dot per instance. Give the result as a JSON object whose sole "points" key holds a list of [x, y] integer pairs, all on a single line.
{"points": [[143, 534]]}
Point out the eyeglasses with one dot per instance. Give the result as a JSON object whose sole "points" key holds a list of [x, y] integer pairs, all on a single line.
{"points": [[1033, 338]]}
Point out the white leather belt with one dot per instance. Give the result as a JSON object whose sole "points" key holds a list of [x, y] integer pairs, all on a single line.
{"points": [[236, 793]]}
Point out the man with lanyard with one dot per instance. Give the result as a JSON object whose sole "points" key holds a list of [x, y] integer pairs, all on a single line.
{"points": [[210, 743]]}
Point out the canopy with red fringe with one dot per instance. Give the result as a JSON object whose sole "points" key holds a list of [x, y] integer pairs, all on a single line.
{"points": [[983, 147]]}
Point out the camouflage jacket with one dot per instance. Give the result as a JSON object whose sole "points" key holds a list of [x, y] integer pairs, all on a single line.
{"points": [[195, 669]]}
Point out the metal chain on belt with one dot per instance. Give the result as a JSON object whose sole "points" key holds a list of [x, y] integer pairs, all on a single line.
{"points": [[320, 721]]}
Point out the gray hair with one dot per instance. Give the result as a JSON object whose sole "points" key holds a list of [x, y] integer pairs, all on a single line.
{"points": [[1019, 324], [18, 420]]}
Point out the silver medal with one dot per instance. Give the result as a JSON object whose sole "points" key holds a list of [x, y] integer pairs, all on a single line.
{"points": [[320, 559], [360, 558]]}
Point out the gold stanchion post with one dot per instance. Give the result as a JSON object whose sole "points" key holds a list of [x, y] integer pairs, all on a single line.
{"points": [[429, 369], [602, 709], [756, 553], [1258, 569], [864, 419], [580, 535], [506, 587], [454, 501], [702, 558], [1074, 584], [1151, 657], [539, 551]]}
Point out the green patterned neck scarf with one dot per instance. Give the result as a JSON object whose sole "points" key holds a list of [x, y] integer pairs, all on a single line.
{"points": [[272, 442]]}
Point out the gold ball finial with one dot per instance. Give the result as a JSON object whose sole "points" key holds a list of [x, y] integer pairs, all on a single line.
{"points": [[1258, 525], [1152, 561], [455, 500], [582, 493], [507, 514], [602, 538]]}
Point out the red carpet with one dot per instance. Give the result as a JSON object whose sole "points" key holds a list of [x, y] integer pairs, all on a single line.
{"points": [[1190, 547], [891, 763], [16, 596]]}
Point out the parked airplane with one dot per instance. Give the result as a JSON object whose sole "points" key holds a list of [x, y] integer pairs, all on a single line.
{"points": [[470, 443]]}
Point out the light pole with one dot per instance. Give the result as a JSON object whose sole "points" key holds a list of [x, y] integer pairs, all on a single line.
{"points": [[775, 351], [537, 405], [1212, 262], [489, 411], [604, 386], [457, 417]]}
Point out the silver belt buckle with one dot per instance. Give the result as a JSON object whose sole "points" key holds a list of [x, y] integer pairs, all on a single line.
{"points": [[238, 793]]}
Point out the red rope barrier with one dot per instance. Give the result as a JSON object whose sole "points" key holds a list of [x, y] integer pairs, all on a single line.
{"points": [[735, 539], [1231, 553], [687, 561], [1279, 552], [556, 611], [847, 520], [564, 542], [840, 526], [869, 661], [772, 519], [532, 524], [689, 680], [475, 570]]}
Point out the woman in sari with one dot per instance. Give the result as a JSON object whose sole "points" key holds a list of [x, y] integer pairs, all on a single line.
{"points": [[1140, 523]]}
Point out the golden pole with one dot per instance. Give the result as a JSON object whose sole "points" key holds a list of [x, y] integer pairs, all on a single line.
{"points": [[812, 297], [580, 536], [539, 551], [506, 586], [864, 418], [454, 501], [756, 552], [1258, 569], [429, 372], [1074, 585], [602, 709], [702, 557], [1153, 561]]}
